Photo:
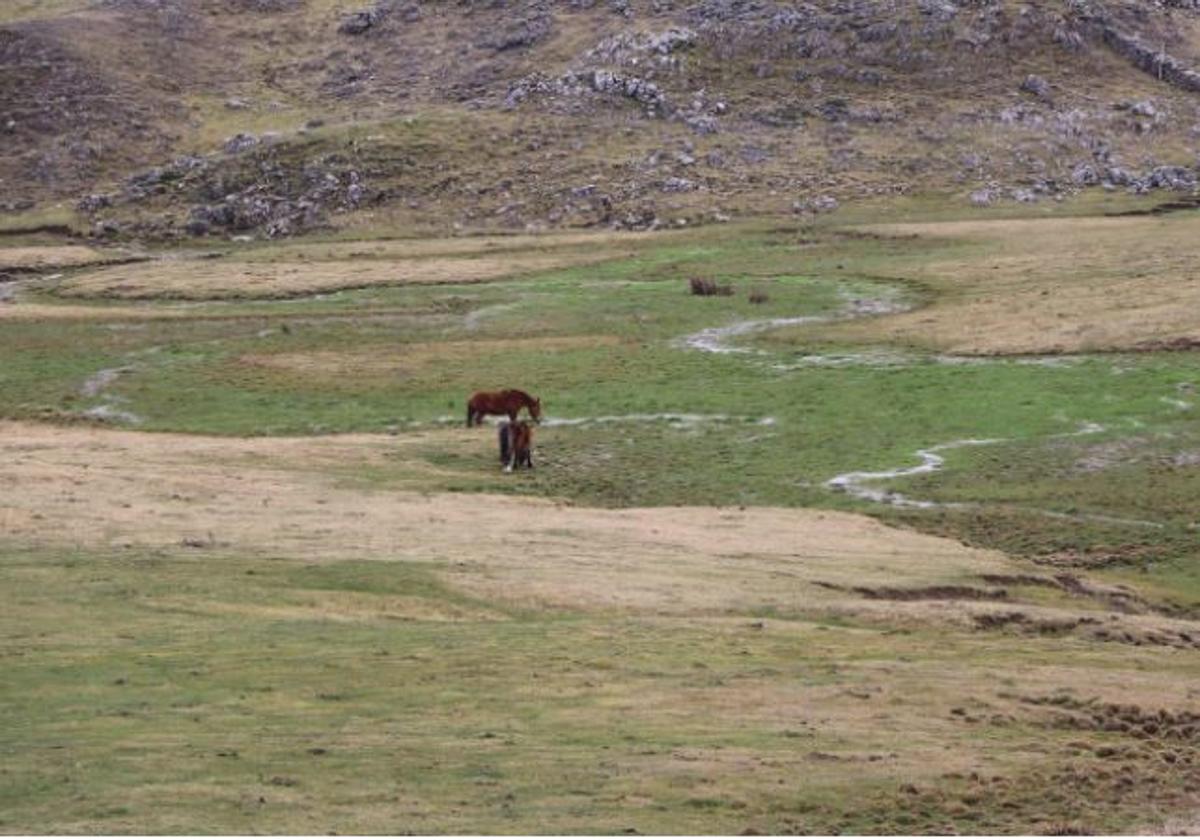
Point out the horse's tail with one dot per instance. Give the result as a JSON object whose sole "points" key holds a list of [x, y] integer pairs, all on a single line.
{"points": [[506, 442]]}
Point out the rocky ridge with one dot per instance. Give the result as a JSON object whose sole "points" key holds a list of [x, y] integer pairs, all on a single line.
{"points": [[600, 113]]}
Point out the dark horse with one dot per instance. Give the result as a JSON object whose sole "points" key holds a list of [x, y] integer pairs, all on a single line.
{"points": [[516, 445], [508, 402]]}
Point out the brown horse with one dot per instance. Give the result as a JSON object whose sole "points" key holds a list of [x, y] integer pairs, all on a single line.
{"points": [[516, 445], [508, 402]]}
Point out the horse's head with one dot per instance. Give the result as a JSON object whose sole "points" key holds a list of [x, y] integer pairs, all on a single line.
{"points": [[535, 410]]}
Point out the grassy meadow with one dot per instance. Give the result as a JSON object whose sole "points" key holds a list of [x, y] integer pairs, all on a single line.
{"points": [[173, 671]]}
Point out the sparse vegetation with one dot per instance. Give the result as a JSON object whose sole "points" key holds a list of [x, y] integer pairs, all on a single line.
{"points": [[1042, 285], [768, 638], [584, 118], [896, 533]]}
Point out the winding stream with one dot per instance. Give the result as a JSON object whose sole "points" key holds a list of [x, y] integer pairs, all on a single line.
{"points": [[865, 485], [859, 484], [718, 339]]}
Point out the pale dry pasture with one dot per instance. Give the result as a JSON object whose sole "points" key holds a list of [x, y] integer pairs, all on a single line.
{"points": [[1055, 285], [108, 489], [370, 360], [464, 246], [190, 280], [295, 497], [762, 644], [39, 257], [314, 634], [21, 310]]}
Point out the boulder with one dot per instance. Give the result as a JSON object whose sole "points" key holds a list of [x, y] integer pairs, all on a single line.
{"points": [[1085, 175], [519, 34], [92, 203], [1119, 177], [240, 142], [672, 40], [983, 198], [678, 185], [1036, 85], [1143, 108], [358, 23], [820, 204], [1178, 178]]}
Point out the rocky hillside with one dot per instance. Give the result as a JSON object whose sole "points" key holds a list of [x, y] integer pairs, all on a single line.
{"points": [[175, 118]]}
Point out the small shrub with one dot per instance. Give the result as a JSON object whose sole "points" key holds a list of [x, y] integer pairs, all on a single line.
{"points": [[705, 287], [758, 296]]}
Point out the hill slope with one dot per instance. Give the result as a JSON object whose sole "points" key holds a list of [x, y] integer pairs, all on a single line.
{"points": [[201, 117]]}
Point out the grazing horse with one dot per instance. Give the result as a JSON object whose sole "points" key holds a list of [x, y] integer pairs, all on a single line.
{"points": [[510, 402], [516, 444]]}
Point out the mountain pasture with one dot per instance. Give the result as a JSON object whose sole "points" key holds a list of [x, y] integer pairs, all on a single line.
{"points": [[907, 544]]}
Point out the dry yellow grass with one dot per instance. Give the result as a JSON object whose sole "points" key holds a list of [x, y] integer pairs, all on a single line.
{"points": [[51, 256], [405, 359], [466, 246], [86, 487], [22, 311], [12, 11], [342, 607], [1048, 285], [664, 647], [221, 280], [283, 496]]}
